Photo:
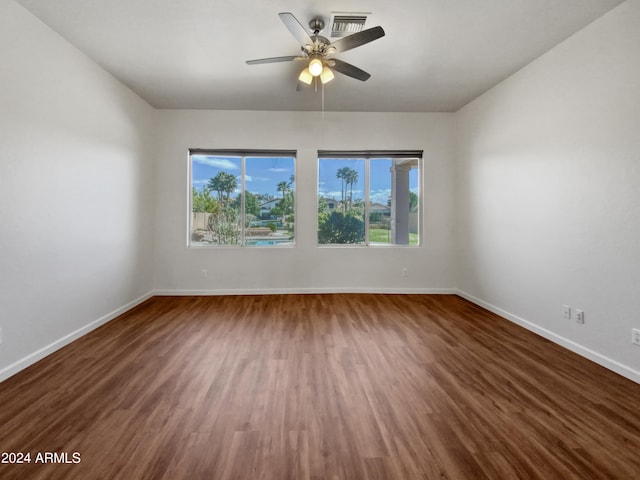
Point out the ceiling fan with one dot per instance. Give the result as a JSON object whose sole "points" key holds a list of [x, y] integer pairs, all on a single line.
{"points": [[318, 50]]}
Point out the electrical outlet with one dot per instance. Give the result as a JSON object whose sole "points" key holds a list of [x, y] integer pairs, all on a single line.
{"points": [[203, 273], [566, 311], [635, 336], [579, 316]]}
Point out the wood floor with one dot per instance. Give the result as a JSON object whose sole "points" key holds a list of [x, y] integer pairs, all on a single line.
{"points": [[319, 387]]}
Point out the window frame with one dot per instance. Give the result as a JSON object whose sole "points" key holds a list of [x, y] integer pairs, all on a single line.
{"points": [[242, 154], [367, 156]]}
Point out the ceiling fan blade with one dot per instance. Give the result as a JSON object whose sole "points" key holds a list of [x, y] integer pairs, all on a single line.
{"points": [[348, 70], [357, 39], [289, 58], [296, 28]]}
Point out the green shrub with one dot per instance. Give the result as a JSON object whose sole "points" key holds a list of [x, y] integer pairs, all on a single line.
{"points": [[340, 228]]}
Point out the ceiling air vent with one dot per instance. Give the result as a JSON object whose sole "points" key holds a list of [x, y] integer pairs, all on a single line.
{"points": [[343, 24]]}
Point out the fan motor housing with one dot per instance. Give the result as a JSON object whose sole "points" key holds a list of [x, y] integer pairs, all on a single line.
{"points": [[316, 25]]}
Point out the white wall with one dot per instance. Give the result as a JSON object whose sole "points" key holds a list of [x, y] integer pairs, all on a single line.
{"points": [[306, 267], [76, 194], [548, 191]]}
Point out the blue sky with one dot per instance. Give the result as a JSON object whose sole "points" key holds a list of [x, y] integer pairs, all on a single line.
{"points": [[380, 179], [264, 174]]}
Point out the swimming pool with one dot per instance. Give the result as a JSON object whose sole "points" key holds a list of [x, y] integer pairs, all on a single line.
{"points": [[263, 242]]}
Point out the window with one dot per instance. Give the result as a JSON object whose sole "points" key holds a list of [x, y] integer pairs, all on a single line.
{"points": [[243, 198], [369, 198]]}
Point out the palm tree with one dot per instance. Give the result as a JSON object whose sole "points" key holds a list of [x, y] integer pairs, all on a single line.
{"points": [[350, 180], [342, 174], [224, 183], [284, 188]]}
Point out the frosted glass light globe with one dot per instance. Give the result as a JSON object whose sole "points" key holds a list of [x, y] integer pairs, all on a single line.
{"points": [[315, 67]]}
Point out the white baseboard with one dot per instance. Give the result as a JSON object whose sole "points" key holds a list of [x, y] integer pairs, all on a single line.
{"points": [[581, 350], [58, 344], [296, 291]]}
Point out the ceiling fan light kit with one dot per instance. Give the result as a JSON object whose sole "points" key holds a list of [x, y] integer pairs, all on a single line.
{"points": [[315, 66], [317, 50], [327, 75], [305, 76]]}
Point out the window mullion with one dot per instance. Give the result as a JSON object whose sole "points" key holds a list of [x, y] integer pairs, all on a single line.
{"points": [[367, 171], [242, 200]]}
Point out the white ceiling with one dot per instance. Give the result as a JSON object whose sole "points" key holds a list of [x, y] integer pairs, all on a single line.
{"points": [[437, 55]]}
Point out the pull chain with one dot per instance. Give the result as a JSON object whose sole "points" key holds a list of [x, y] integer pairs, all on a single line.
{"points": [[322, 87]]}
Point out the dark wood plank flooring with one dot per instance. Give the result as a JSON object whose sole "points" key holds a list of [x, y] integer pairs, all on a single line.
{"points": [[351, 386]]}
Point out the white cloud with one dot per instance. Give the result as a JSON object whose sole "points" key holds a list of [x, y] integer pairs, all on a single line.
{"points": [[279, 170], [381, 196], [336, 195], [222, 163]]}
